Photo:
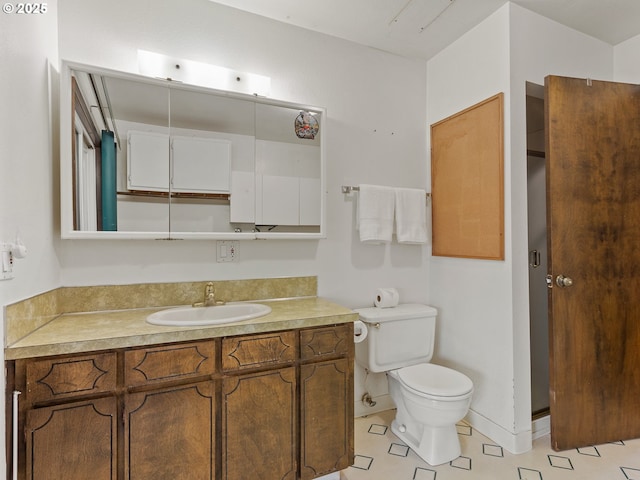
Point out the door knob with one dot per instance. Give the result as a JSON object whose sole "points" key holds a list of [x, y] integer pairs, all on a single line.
{"points": [[563, 281]]}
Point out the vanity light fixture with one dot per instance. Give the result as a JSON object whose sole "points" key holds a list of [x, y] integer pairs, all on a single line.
{"points": [[202, 74]]}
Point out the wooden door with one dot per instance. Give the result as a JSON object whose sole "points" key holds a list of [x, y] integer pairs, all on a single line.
{"points": [[593, 215], [170, 433], [74, 441]]}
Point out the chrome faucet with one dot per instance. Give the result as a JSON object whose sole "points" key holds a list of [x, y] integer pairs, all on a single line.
{"points": [[209, 297]]}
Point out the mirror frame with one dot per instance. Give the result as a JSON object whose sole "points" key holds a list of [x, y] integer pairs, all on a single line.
{"points": [[66, 163]]}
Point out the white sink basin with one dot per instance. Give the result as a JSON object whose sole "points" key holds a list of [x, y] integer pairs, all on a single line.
{"points": [[218, 314]]}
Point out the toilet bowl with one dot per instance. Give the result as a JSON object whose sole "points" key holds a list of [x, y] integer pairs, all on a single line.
{"points": [[430, 400]]}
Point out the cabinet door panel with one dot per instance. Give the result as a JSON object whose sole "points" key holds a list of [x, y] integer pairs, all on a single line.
{"points": [[326, 419], [170, 433], [279, 204], [310, 201], [69, 377], [201, 165], [258, 350], [75, 441], [259, 426], [147, 366], [148, 161], [242, 203], [324, 341]]}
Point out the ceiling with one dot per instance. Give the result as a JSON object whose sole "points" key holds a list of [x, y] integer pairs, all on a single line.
{"points": [[422, 28]]}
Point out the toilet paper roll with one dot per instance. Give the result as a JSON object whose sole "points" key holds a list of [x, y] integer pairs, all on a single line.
{"points": [[386, 298], [360, 331]]}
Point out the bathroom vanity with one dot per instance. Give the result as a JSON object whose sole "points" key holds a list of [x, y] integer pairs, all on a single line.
{"points": [[269, 398]]}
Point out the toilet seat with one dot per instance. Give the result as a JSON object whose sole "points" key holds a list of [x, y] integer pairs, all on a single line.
{"points": [[435, 381]]}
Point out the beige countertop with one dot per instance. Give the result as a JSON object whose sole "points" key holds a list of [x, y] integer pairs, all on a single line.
{"points": [[84, 332]]}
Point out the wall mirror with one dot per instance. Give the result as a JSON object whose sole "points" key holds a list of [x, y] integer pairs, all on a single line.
{"points": [[152, 158]]}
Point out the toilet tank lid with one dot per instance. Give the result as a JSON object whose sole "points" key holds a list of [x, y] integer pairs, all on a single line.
{"points": [[399, 312]]}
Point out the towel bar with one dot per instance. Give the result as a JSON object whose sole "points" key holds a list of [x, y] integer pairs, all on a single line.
{"points": [[350, 189]]}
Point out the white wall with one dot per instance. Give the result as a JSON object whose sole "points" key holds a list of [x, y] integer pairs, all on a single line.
{"points": [[28, 178], [484, 319], [626, 61], [474, 296], [539, 47], [375, 105]]}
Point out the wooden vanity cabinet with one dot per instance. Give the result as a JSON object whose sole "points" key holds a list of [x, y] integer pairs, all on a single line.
{"points": [[286, 423], [69, 412], [169, 425], [326, 400], [146, 413], [259, 408], [269, 406]]}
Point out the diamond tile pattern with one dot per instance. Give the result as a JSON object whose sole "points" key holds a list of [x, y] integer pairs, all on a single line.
{"points": [[560, 462], [378, 429], [380, 455], [399, 450]]}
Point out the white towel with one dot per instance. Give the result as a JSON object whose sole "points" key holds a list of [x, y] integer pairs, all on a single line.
{"points": [[411, 218], [375, 213]]}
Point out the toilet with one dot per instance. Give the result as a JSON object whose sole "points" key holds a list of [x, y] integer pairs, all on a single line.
{"points": [[430, 399]]}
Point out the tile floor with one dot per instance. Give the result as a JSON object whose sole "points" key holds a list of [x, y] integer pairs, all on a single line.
{"points": [[380, 455]]}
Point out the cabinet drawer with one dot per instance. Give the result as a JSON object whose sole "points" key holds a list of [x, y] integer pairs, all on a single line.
{"points": [[326, 341], [70, 377], [165, 363], [258, 350]]}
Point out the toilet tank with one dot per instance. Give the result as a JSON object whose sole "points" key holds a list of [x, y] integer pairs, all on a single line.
{"points": [[397, 337]]}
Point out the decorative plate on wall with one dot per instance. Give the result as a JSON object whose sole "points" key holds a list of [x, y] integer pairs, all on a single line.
{"points": [[306, 125]]}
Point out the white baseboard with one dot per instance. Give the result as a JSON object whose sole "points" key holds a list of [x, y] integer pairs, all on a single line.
{"points": [[541, 427], [515, 443], [512, 442]]}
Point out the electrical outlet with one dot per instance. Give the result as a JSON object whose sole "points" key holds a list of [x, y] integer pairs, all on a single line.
{"points": [[226, 251]]}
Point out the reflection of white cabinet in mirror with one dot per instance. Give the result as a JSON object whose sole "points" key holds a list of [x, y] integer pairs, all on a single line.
{"points": [[190, 162], [147, 161], [198, 165], [310, 195], [243, 197], [288, 171], [287, 183]]}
